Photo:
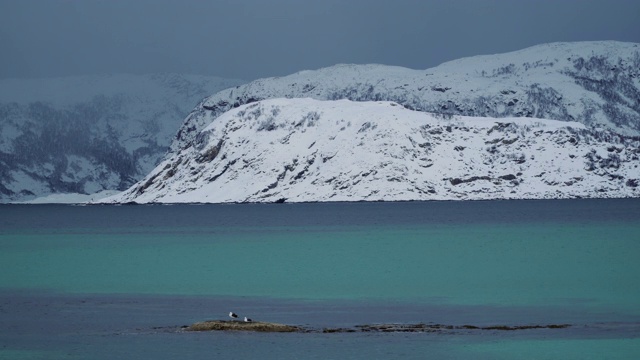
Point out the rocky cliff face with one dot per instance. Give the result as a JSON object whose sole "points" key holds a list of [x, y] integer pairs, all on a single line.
{"points": [[298, 150], [90, 133]]}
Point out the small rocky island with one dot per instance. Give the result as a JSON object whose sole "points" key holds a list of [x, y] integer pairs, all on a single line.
{"points": [[222, 325], [258, 326]]}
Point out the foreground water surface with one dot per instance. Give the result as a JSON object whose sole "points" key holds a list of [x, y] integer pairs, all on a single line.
{"points": [[116, 282]]}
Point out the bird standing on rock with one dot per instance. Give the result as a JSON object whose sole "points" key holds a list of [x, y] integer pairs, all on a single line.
{"points": [[246, 319]]}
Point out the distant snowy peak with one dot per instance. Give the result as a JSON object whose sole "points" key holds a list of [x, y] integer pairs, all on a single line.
{"points": [[595, 83], [549, 55], [297, 150]]}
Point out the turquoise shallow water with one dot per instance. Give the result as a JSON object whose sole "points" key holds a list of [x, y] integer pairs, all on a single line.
{"points": [[328, 264], [474, 264], [570, 349]]}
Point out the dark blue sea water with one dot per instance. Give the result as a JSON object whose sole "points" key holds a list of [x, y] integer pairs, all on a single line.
{"points": [[117, 282]]}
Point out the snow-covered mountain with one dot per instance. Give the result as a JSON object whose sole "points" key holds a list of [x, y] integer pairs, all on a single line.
{"points": [[85, 134], [595, 83], [309, 150]]}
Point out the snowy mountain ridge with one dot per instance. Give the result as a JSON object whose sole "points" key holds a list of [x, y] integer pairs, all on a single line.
{"points": [[86, 134], [299, 150], [595, 83]]}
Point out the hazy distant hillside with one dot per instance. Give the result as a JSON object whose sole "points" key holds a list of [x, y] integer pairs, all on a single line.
{"points": [[89, 133], [595, 83]]}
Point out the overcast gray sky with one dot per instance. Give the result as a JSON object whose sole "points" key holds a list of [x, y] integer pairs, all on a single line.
{"points": [[248, 39]]}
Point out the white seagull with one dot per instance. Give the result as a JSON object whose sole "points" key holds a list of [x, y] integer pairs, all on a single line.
{"points": [[233, 315], [246, 319]]}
